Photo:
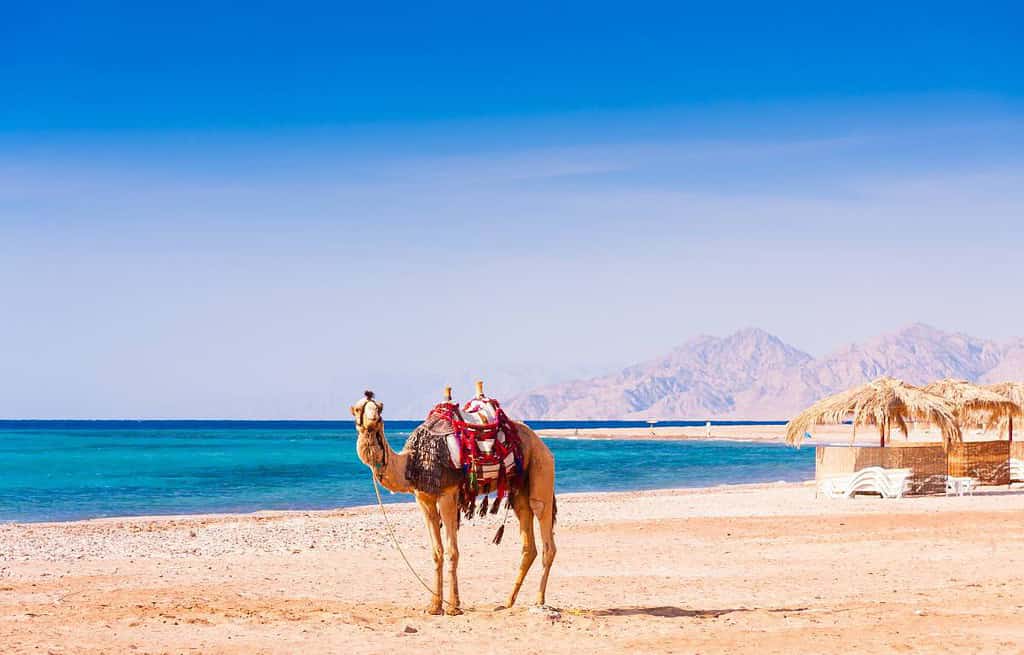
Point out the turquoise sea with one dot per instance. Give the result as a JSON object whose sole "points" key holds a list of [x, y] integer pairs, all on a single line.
{"points": [[64, 470]]}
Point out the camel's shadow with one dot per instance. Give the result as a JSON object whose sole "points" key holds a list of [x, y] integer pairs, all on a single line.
{"points": [[671, 612]]}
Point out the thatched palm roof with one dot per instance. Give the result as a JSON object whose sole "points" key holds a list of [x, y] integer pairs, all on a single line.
{"points": [[1012, 391], [884, 402], [974, 404]]}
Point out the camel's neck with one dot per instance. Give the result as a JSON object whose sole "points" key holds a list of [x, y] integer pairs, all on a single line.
{"points": [[388, 466]]}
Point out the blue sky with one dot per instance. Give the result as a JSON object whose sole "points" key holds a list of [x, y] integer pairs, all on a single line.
{"points": [[209, 212]]}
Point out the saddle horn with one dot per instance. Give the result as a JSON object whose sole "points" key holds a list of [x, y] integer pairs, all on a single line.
{"points": [[448, 394], [479, 388]]}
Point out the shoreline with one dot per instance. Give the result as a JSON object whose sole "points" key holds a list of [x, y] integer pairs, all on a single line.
{"points": [[406, 507], [402, 505]]}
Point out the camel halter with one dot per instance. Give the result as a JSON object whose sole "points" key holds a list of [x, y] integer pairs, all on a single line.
{"points": [[378, 434]]}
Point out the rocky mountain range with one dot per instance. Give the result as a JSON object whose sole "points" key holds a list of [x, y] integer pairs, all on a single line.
{"points": [[755, 375]]}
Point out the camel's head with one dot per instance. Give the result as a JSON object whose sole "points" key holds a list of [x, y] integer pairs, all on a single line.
{"points": [[368, 413]]}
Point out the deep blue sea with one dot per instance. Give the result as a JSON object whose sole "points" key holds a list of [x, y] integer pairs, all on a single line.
{"points": [[64, 470]]}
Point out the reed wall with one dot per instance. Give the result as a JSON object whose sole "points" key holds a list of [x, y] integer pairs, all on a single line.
{"points": [[986, 461], [928, 462]]}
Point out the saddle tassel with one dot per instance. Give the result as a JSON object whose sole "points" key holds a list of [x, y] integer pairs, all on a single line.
{"points": [[483, 505], [501, 528]]}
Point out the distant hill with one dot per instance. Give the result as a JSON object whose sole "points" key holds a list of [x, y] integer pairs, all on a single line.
{"points": [[755, 375]]}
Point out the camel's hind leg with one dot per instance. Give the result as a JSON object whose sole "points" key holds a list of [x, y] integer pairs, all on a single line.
{"points": [[546, 517], [521, 504], [542, 503]]}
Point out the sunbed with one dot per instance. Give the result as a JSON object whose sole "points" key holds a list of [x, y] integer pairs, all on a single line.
{"points": [[887, 483]]}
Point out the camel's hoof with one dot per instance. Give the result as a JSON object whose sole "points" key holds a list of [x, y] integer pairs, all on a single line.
{"points": [[501, 608], [453, 611], [435, 610]]}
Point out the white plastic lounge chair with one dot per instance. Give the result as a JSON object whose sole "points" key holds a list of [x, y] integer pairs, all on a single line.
{"points": [[1016, 470], [888, 483], [956, 486]]}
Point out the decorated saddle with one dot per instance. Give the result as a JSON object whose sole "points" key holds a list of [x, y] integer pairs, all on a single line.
{"points": [[483, 453]]}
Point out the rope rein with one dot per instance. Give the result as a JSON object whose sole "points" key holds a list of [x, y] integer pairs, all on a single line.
{"points": [[394, 539], [377, 477]]}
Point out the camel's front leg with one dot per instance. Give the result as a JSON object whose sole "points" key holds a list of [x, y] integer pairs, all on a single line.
{"points": [[428, 505], [449, 507]]}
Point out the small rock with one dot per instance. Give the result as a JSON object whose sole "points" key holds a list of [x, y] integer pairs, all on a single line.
{"points": [[409, 630], [547, 612]]}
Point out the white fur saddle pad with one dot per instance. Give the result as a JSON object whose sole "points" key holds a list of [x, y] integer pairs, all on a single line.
{"points": [[479, 412]]}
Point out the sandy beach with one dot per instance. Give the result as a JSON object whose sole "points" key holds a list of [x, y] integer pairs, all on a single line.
{"points": [[822, 434], [760, 568]]}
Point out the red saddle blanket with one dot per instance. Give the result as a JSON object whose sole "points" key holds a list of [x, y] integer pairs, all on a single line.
{"points": [[485, 445]]}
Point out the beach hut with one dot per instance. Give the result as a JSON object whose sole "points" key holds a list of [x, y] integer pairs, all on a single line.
{"points": [[975, 405], [1014, 392], [884, 403], [985, 461]]}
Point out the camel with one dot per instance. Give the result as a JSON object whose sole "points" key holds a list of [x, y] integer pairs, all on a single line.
{"points": [[535, 500]]}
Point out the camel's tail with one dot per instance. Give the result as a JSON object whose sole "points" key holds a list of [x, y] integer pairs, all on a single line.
{"points": [[554, 509]]}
